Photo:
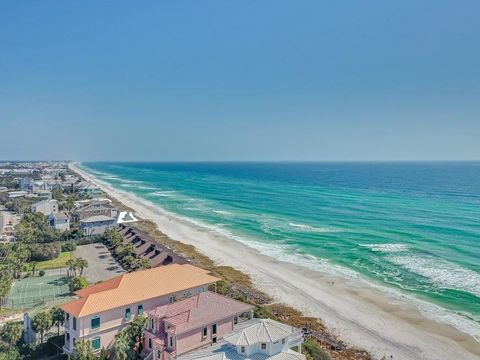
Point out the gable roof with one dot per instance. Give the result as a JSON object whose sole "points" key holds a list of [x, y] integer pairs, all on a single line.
{"points": [[136, 287], [200, 310], [259, 331]]}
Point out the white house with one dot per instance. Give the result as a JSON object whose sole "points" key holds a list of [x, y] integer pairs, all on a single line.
{"points": [[96, 225], [46, 207], [59, 221], [259, 339]]}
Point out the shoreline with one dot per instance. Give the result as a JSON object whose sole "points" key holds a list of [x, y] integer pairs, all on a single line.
{"points": [[361, 315]]}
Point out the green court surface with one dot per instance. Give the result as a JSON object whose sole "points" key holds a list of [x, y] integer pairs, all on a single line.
{"points": [[34, 291]]}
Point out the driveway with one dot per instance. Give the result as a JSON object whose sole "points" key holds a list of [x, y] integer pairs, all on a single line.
{"points": [[101, 265]]}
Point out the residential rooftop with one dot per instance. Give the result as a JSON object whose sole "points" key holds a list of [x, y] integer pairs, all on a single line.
{"points": [[136, 287], [197, 311]]}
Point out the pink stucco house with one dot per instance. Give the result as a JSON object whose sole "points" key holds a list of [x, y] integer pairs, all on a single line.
{"points": [[102, 310], [190, 324]]}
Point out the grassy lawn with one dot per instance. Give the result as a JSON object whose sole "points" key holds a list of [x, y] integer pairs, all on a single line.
{"points": [[59, 262]]}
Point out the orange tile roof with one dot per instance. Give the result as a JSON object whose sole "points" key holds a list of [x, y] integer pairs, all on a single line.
{"points": [[137, 286]]}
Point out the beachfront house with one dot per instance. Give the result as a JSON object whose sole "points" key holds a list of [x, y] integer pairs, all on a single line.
{"points": [[259, 339], [94, 207], [196, 322], [104, 309], [96, 225], [46, 207], [87, 188], [59, 221]]}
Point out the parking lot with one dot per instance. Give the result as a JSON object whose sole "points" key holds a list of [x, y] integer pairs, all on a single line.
{"points": [[101, 265]]}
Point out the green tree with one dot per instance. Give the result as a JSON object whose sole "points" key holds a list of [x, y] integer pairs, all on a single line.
{"points": [[41, 323], [33, 266], [83, 350], [81, 264], [72, 266], [12, 332], [143, 264], [5, 283], [121, 349], [58, 317], [11, 354]]}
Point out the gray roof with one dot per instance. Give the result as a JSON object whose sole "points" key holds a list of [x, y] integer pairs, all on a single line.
{"points": [[97, 218], [228, 352], [259, 331]]}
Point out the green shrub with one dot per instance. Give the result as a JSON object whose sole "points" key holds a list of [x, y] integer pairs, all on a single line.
{"points": [[315, 351], [78, 282], [41, 273], [90, 240], [69, 246]]}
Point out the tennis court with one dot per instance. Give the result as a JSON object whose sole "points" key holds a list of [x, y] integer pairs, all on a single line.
{"points": [[34, 291]]}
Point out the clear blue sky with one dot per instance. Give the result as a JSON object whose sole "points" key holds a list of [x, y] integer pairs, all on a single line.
{"points": [[240, 80]]}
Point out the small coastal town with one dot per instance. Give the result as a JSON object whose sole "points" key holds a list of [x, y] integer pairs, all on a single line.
{"points": [[84, 277]]}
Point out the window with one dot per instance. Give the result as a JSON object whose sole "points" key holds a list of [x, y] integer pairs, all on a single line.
{"points": [[264, 346], [242, 349], [96, 343], [67, 316], [152, 327], [140, 310], [235, 320], [128, 314], [283, 341], [172, 298], [171, 341], [150, 343], [205, 332], [214, 329], [74, 323], [159, 354], [95, 323]]}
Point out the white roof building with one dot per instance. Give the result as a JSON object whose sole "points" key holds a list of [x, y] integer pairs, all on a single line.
{"points": [[256, 339], [46, 207]]}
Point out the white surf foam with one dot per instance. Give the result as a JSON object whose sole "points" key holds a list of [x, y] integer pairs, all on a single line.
{"points": [[442, 273], [386, 248], [313, 229], [163, 193]]}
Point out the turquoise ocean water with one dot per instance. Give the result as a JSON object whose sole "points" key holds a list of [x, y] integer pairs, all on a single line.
{"points": [[413, 228]]}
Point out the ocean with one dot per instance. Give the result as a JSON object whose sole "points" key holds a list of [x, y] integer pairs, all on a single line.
{"points": [[411, 228]]}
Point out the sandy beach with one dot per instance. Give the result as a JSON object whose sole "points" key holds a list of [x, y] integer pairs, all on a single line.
{"points": [[360, 314]]}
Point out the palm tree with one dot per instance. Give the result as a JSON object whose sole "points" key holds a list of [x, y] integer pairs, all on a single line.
{"points": [[72, 266], [42, 322], [12, 332], [81, 264], [33, 265], [121, 347], [83, 350], [58, 317]]}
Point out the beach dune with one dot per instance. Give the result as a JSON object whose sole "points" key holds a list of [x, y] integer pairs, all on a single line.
{"points": [[361, 314]]}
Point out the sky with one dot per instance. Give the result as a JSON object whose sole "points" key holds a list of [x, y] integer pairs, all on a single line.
{"points": [[240, 80]]}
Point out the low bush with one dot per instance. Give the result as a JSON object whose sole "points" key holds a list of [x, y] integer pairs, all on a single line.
{"points": [[41, 273], [69, 246], [314, 351], [78, 282], [90, 240]]}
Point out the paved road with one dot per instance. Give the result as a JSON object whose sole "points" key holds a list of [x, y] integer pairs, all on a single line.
{"points": [[101, 265]]}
